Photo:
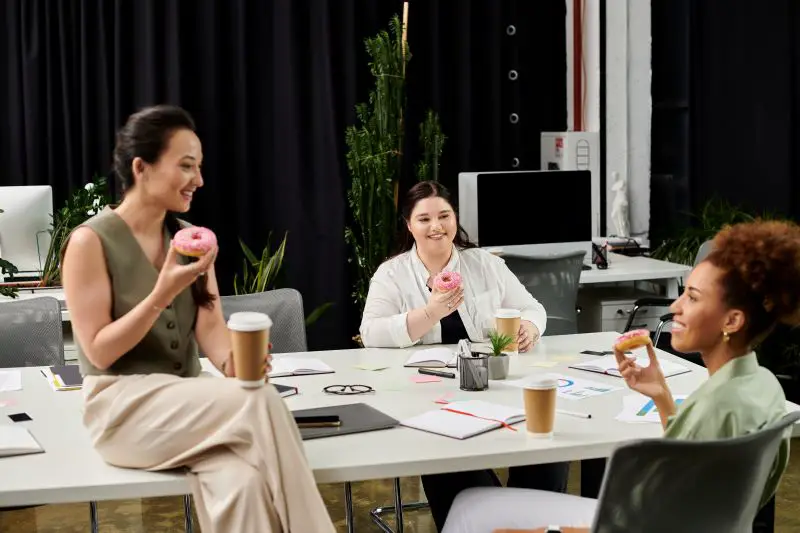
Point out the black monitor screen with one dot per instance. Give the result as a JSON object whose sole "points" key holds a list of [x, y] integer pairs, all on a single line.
{"points": [[534, 207]]}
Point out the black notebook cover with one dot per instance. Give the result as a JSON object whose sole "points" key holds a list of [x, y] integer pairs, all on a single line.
{"points": [[355, 418], [70, 375]]}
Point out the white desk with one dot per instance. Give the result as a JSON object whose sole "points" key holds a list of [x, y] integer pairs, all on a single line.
{"points": [[71, 471], [621, 268]]}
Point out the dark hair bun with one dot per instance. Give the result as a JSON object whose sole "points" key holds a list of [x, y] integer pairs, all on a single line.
{"points": [[765, 255]]}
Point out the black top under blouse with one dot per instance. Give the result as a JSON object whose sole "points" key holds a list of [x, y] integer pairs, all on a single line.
{"points": [[453, 329]]}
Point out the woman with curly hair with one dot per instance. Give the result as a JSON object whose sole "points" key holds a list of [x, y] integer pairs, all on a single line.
{"points": [[732, 301]]}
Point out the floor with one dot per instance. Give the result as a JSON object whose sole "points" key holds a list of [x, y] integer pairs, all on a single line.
{"points": [[166, 514]]}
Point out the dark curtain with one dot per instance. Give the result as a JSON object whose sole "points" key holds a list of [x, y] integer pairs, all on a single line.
{"points": [[745, 100], [272, 86]]}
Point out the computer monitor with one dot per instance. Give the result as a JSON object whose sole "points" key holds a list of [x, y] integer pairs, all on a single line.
{"points": [[24, 226], [529, 207]]}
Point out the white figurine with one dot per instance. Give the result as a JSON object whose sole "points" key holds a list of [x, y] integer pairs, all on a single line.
{"points": [[619, 207]]}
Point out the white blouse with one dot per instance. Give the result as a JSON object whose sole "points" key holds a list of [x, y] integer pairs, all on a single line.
{"points": [[401, 284]]}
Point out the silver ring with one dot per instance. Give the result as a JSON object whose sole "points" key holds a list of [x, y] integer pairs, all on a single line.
{"points": [[449, 306]]}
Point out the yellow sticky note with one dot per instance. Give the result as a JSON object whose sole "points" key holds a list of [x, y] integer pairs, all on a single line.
{"points": [[371, 366], [544, 364]]}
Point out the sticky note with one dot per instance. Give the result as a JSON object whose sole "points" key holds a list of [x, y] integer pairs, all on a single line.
{"points": [[371, 366], [7, 403], [425, 379], [544, 364]]}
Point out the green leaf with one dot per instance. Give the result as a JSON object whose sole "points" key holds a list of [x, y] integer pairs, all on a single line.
{"points": [[316, 313]]}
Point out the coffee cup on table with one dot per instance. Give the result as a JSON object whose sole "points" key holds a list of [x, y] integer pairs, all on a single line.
{"points": [[507, 323], [249, 343], [539, 396]]}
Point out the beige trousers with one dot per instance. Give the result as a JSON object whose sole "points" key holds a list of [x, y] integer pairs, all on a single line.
{"points": [[248, 468]]}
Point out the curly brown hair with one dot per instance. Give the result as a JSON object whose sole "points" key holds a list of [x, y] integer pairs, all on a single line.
{"points": [[761, 265]]}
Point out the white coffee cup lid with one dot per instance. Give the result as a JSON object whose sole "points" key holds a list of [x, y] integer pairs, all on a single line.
{"points": [[508, 313], [249, 321], [541, 383]]}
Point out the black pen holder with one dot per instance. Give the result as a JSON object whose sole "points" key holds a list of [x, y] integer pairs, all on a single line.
{"points": [[473, 372]]}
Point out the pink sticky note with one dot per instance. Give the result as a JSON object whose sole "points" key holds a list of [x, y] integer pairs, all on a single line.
{"points": [[7, 403], [425, 379]]}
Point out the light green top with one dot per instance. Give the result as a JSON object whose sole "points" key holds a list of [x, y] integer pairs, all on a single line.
{"points": [[740, 398]]}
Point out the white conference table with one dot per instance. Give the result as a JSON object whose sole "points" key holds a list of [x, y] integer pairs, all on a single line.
{"points": [[71, 471]]}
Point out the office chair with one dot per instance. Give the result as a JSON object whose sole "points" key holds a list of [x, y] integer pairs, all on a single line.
{"points": [[669, 485], [554, 281]]}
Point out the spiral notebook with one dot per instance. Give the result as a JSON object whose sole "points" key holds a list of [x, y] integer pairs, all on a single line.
{"points": [[607, 364], [465, 419]]}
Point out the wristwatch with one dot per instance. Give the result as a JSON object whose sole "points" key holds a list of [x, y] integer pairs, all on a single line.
{"points": [[553, 529]]}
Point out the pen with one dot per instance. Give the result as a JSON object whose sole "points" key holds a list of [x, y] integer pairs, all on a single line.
{"points": [[573, 413], [42, 371], [437, 373]]}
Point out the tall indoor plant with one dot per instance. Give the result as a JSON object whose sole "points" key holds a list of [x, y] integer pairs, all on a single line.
{"points": [[375, 157]]}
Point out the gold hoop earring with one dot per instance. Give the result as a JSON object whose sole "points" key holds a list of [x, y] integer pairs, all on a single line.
{"points": [[726, 336]]}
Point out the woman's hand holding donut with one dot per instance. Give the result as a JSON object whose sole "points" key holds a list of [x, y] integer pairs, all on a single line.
{"points": [[647, 380], [442, 304], [175, 277]]}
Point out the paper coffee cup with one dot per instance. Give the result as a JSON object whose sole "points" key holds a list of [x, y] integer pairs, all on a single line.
{"points": [[249, 341], [539, 395], [507, 323]]}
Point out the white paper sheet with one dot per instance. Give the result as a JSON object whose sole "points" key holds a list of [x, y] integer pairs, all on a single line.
{"points": [[572, 388], [10, 380], [638, 409]]}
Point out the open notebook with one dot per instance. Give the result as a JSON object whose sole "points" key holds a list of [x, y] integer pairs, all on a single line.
{"points": [[433, 358], [297, 366], [461, 420], [17, 440], [607, 364]]}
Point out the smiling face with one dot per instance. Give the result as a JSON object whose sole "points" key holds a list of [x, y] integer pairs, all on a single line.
{"points": [[172, 180], [433, 225], [701, 314]]}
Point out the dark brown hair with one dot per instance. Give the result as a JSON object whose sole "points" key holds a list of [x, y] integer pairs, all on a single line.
{"points": [[420, 191], [146, 134], [761, 273]]}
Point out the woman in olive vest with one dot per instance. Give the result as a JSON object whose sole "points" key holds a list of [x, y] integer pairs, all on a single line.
{"points": [[139, 311]]}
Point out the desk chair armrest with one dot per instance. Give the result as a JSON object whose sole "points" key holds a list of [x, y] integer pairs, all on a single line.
{"points": [[646, 302]]}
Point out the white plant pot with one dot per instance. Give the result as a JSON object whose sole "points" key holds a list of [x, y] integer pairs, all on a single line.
{"points": [[498, 366]]}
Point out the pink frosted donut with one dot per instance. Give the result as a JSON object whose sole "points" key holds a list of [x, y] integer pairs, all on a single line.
{"points": [[632, 339], [447, 281], [194, 241]]}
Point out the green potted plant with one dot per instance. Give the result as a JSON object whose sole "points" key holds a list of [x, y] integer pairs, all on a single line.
{"points": [[260, 274], [498, 360]]}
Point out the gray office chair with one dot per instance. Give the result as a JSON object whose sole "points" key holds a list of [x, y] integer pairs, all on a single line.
{"points": [[31, 333], [284, 307], [288, 333], [554, 281], [669, 485]]}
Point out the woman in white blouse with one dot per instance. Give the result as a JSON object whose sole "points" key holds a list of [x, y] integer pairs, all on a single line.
{"points": [[403, 309]]}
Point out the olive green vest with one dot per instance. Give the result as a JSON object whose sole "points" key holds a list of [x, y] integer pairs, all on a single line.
{"points": [[170, 346]]}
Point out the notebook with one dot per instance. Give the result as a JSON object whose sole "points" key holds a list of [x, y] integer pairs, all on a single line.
{"points": [[295, 366], [433, 358], [355, 418], [17, 440], [465, 419], [285, 390], [64, 377], [607, 364]]}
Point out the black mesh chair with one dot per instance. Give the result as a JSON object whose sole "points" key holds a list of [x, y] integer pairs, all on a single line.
{"points": [[669, 485], [554, 281]]}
